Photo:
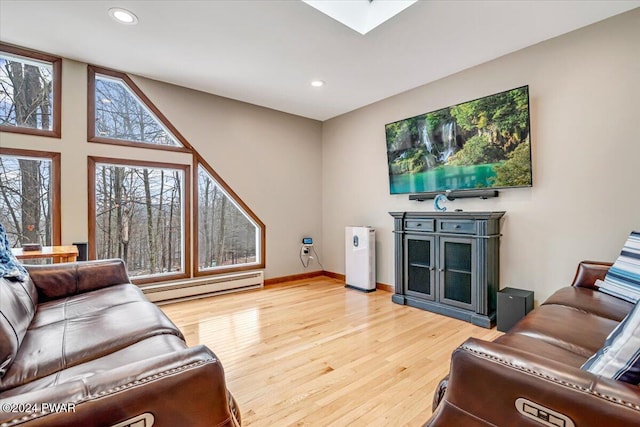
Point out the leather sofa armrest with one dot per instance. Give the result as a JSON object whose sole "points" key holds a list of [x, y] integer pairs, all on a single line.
{"points": [[588, 272], [183, 388], [438, 394], [487, 378], [61, 280]]}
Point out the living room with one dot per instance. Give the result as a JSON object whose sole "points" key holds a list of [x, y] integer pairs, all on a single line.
{"points": [[302, 176]]}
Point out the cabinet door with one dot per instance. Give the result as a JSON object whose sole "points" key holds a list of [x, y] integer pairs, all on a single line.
{"points": [[420, 266], [457, 272]]}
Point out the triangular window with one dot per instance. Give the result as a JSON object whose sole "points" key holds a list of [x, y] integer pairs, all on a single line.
{"points": [[121, 114], [228, 237]]}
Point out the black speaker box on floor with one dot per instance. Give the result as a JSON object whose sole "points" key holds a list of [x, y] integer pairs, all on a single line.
{"points": [[513, 305]]}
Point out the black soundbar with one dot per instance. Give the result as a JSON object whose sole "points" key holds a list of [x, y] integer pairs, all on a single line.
{"points": [[456, 194]]}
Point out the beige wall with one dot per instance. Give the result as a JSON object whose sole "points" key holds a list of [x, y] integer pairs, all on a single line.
{"points": [[585, 92], [270, 159]]}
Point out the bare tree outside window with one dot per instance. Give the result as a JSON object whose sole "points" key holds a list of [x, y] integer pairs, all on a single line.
{"points": [[129, 218], [226, 235], [26, 204], [139, 217], [26, 92], [121, 115]]}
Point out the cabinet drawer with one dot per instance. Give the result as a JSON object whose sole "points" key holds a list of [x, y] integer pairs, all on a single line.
{"points": [[458, 226], [419, 224]]}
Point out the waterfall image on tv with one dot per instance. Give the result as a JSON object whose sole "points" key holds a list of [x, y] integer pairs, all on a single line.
{"points": [[483, 143]]}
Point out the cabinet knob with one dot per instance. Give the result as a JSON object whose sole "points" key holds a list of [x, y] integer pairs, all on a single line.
{"points": [[457, 225], [442, 270], [418, 225]]}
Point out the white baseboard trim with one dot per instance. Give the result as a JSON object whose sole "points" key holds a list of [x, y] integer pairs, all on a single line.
{"points": [[203, 286]]}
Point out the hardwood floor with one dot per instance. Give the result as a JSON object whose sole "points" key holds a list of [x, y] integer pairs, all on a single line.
{"points": [[312, 353]]}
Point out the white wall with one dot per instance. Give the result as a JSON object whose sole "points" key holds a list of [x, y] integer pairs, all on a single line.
{"points": [[272, 160], [585, 92]]}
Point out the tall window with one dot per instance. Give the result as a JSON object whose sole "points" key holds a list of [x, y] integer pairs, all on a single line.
{"points": [[139, 212], [227, 236], [29, 196], [29, 92]]}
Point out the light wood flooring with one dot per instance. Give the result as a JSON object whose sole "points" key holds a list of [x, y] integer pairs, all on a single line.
{"points": [[312, 353]]}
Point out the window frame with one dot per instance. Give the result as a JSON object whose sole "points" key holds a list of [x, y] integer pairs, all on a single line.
{"points": [[56, 219], [56, 112], [186, 209], [260, 248], [91, 114]]}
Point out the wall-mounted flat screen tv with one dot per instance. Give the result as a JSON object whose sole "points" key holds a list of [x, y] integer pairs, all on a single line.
{"points": [[480, 144]]}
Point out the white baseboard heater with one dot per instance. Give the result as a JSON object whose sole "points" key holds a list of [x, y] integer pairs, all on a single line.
{"points": [[205, 286]]}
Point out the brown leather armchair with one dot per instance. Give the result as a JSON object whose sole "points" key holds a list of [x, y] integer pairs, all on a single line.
{"points": [[82, 346], [532, 373]]}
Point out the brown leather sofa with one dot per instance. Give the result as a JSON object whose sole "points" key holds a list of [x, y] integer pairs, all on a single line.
{"points": [[535, 367], [82, 346]]}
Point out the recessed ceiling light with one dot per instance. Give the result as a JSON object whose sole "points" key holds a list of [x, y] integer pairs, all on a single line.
{"points": [[123, 16], [317, 83]]}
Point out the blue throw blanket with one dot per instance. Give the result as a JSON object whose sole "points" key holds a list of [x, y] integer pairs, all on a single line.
{"points": [[9, 265]]}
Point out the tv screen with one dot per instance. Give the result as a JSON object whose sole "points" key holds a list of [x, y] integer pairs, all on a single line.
{"points": [[480, 144]]}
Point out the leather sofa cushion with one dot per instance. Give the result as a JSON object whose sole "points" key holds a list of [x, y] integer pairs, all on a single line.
{"points": [[542, 348], [78, 305], [568, 328], [55, 281], [84, 327], [146, 349], [591, 301], [18, 301]]}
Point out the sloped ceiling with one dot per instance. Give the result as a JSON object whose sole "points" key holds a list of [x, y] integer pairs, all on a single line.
{"points": [[267, 52]]}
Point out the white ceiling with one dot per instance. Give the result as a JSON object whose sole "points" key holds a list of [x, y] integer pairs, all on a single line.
{"points": [[266, 52]]}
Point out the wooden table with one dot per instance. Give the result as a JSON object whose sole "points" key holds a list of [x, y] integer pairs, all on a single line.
{"points": [[58, 253]]}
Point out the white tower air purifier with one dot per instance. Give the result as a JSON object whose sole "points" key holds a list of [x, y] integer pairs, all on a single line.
{"points": [[360, 258]]}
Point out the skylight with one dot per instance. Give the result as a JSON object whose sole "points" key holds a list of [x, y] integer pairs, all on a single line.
{"points": [[361, 15]]}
